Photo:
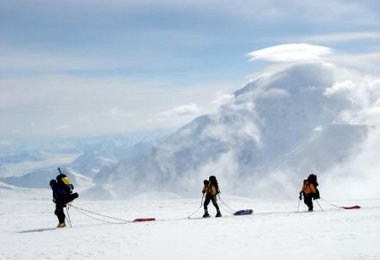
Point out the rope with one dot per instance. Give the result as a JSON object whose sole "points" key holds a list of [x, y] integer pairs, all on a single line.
{"points": [[197, 208], [228, 209], [98, 219], [336, 206], [89, 212]]}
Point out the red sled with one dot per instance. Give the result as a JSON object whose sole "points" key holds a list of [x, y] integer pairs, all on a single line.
{"points": [[143, 219], [351, 207]]}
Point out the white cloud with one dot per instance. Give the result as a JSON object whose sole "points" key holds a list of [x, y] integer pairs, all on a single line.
{"points": [[5, 143], [114, 112], [337, 37], [291, 53], [62, 127], [184, 110], [365, 62], [274, 93], [223, 99], [363, 94]]}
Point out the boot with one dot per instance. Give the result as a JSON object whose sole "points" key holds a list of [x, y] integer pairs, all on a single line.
{"points": [[61, 225], [218, 215], [206, 215]]}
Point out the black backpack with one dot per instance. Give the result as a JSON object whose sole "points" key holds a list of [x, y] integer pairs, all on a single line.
{"points": [[214, 182], [313, 180], [65, 183]]}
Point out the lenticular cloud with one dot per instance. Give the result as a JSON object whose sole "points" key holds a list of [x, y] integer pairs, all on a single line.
{"points": [[291, 53]]}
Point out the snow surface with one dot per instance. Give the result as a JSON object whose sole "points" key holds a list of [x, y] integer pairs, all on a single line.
{"points": [[275, 230]]}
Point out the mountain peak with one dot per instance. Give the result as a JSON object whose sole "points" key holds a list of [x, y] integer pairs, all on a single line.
{"points": [[267, 125]]}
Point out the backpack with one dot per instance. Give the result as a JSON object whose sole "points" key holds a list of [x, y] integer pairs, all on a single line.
{"points": [[214, 182], [64, 182], [313, 179], [60, 195]]}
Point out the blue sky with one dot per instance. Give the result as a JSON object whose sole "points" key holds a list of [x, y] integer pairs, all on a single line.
{"points": [[86, 67]]}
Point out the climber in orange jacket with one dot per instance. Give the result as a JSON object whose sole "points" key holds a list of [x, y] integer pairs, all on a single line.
{"points": [[309, 191]]}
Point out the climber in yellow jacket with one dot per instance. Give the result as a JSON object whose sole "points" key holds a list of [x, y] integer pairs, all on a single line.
{"points": [[211, 189]]}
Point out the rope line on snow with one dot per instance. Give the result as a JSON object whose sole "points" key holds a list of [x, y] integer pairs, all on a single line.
{"points": [[197, 208], [334, 205], [89, 212], [228, 209], [95, 218], [114, 220]]}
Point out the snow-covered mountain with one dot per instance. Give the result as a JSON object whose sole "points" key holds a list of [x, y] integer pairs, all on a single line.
{"points": [[275, 131], [106, 151], [34, 164]]}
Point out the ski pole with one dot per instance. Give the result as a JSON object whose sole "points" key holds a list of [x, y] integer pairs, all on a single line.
{"points": [[68, 217], [298, 207], [319, 205]]}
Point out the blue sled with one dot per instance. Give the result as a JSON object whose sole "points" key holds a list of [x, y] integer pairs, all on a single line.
{"points": [[243, 212]]}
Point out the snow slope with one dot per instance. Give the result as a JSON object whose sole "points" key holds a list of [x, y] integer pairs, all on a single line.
{"points": [[274, 231]]}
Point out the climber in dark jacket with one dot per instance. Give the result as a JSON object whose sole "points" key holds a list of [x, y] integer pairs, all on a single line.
{"points": [[62, 194], [60, 198]]}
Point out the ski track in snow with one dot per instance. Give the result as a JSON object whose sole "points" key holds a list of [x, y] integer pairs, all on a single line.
{"points": [[274, 230]]}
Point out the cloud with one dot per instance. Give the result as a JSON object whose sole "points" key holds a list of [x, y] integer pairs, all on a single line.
{"points": [[184, 110], [338, 37], [62, 127], [366, 62], [222, 99], [364, 97], [357, 175], [75, 61], [5, 143], [291, 53]]}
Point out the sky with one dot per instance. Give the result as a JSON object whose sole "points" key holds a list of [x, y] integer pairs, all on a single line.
{"points": [[77, 68]]}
